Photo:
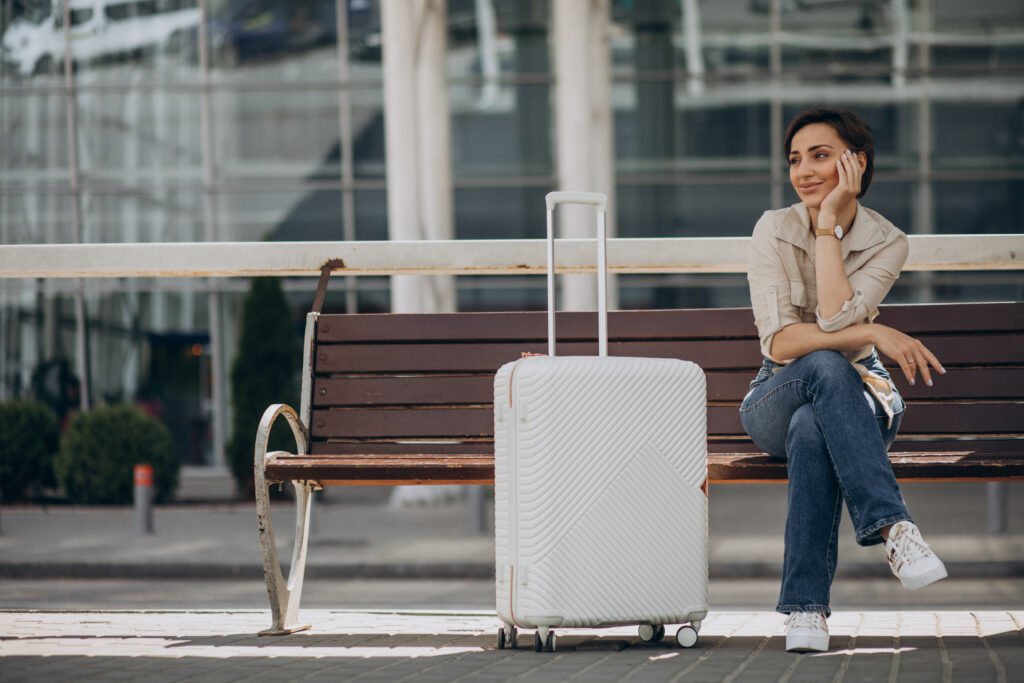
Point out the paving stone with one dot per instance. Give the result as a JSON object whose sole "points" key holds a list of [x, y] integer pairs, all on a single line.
{"points": [[368, 646]]}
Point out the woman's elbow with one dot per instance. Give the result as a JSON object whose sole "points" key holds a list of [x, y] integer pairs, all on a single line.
{"points": [[778, 348], [850, 313]]}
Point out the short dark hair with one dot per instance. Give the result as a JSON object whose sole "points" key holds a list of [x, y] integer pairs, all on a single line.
{"points": [[854, 131]]}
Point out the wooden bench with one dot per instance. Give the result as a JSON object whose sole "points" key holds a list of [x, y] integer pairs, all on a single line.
{"points": [[407, 399]]}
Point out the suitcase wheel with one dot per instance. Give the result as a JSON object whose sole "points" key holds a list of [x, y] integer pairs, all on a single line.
{"points": [[686, 636], [651, 633], [546, 643], [508, 636]]}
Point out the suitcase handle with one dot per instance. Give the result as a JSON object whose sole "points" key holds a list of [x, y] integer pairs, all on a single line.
{"points": [[599, 202], [595, 199]]}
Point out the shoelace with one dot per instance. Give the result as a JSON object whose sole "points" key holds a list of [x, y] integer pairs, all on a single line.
{"points": [[908, 547], [807, 620]]}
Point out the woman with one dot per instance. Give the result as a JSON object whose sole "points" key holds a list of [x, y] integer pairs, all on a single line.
{"points": [[822, 399]]}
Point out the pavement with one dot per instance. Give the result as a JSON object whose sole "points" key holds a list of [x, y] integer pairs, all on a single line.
{"points": [[401, 593], [439, 646]]}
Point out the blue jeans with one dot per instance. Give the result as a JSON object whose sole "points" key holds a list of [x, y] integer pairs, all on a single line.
{"points": [[814, 413]]}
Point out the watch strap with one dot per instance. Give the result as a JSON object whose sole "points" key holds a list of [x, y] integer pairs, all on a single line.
{"points": [[825, 232]]}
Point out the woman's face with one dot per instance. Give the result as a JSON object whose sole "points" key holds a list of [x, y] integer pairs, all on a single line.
{"points": [[812, 162]]}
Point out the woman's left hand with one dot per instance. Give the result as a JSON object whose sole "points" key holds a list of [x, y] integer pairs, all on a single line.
{"points": [[848, 188], [913, 356]]}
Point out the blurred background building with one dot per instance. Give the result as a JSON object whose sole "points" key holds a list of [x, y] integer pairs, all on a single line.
{"points": [[231, 120]]}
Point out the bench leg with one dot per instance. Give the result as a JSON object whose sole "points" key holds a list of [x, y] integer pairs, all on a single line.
{"points": [[285, 596], [998, 508], [476, 510]]}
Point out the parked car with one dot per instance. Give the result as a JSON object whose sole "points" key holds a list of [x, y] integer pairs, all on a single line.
{"points": [[246, 29], [97, 29]]}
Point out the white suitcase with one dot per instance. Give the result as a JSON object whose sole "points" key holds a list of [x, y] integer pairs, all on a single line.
{"points": [[600, 480]]}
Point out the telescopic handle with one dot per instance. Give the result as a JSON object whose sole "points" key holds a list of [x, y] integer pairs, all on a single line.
{"points": [[599, 202]]}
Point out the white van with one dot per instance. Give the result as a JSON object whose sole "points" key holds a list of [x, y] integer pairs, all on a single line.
{"points": [[30, 43], [98, 29]]}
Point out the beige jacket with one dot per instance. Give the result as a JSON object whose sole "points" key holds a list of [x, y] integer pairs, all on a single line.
{"points": [[783, 290]]}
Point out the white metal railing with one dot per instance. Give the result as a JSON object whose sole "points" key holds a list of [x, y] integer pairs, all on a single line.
{"points": [[458, 257]]}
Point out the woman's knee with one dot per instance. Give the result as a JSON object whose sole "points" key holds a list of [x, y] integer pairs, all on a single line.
{"points": [[803, 423]]}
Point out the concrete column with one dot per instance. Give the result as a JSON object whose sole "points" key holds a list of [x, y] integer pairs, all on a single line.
{"points": [[418, 146], [218, 367], [924, 214], [82, 353], [900, 43], [528, 24], [418, 141], [348, 199], [9, 339], [776, 124], [694, 51], [486, 32], [654, 121], [584, 143]]}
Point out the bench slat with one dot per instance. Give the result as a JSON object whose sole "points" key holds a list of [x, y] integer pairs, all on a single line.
{"points": [[904, 443], [340, 391], [645, 324], [478, 421], [532, 326], [332, 448], [929, 319], [488, 357], [357, 470], [921, 418], [964, 465], [422, 390], [710, 355], [723, 385], [722, 467], [715, 445], [468, 421]]}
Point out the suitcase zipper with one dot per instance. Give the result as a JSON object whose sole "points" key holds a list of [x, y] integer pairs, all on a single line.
{"points": [[513, 494], [513, 528]]}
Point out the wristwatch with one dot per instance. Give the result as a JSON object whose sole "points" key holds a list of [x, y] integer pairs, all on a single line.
{"points": [[836, 232]]}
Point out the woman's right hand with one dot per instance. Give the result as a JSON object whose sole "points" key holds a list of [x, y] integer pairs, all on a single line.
{"points": [[911, 354]]}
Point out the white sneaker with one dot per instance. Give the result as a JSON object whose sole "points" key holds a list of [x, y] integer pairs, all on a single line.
{"points": [[910, 558], [806, 632]]}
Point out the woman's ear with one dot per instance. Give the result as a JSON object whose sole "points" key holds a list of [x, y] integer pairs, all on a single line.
{"points": [[862, 159]]}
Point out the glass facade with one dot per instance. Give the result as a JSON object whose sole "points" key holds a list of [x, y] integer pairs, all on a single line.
{"points": [[222, 120]]}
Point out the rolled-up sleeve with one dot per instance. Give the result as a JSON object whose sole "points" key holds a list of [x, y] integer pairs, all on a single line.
{"points": [[870, 284], [770, 296]]}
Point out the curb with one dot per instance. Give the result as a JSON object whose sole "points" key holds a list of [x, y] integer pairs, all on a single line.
{"points": [[436, 571], [192, 571]]}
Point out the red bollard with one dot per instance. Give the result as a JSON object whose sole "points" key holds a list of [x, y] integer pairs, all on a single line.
{"points": [[144, 499]]}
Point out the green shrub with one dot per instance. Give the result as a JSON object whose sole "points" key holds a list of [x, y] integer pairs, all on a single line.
{"points": [[100, 449], [264, 372], [28, 443]]}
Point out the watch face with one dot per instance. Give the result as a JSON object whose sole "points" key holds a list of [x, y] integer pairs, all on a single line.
{"points": [[838, 232]]}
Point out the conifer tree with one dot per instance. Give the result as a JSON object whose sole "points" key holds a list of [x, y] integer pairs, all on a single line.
{"points": [[265, 371]]}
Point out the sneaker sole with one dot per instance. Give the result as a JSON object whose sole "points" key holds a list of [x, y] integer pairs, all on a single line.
{"points": [[926, 579], [807, 643]]}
